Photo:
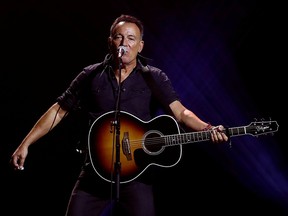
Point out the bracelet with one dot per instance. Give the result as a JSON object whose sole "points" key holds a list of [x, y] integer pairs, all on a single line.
{"points": [[208, 127]]}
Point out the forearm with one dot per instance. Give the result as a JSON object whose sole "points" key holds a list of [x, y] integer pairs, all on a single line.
{"points": [[192, 121], [187, 117], [45, 124]]}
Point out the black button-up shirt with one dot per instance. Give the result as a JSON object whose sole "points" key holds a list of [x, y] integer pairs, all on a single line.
{"points": [[95, 91], [144, 93]]}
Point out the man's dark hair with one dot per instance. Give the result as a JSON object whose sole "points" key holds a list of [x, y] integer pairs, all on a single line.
{"points": [[130, 19]]}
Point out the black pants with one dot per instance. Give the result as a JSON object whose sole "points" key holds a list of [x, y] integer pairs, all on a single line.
{"points": [[92, 196]]}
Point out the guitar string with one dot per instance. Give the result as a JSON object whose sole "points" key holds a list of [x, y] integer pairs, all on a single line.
{"points": [[171, 139]]}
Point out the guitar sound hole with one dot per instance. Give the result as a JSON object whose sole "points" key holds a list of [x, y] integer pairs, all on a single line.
{"points": [[153, 142]]}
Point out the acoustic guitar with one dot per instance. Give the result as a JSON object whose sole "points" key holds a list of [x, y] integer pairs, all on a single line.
{"points": [[147, 143]]}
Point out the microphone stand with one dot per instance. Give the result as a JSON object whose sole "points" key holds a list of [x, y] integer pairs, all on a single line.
{"points": [[117, 164]]}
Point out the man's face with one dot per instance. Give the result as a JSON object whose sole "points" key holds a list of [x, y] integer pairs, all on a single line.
{"points": [[128, 35]]}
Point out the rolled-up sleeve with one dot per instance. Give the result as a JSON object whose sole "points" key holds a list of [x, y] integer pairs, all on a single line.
{"points": [[69, 100], [71, 97]]}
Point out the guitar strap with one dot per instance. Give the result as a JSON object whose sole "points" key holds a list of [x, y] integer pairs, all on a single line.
{"points": [[81, 145]]}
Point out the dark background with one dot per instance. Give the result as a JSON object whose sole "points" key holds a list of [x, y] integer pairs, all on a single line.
{"points": [[226, 60]]}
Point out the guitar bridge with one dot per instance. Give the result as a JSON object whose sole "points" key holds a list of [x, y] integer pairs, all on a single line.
{"points": [[126, 148]]}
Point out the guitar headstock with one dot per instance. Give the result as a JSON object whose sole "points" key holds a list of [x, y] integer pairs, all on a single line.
{"points": [[262, 127]]}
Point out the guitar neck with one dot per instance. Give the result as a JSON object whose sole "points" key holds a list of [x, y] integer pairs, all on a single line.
{"points": [[179, 139], [254, 129]]}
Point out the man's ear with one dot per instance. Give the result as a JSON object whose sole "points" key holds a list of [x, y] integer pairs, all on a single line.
{"points": [[141, 46]]}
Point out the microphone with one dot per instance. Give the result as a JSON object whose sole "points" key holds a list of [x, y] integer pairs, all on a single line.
{"points": [[121, 51]]}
